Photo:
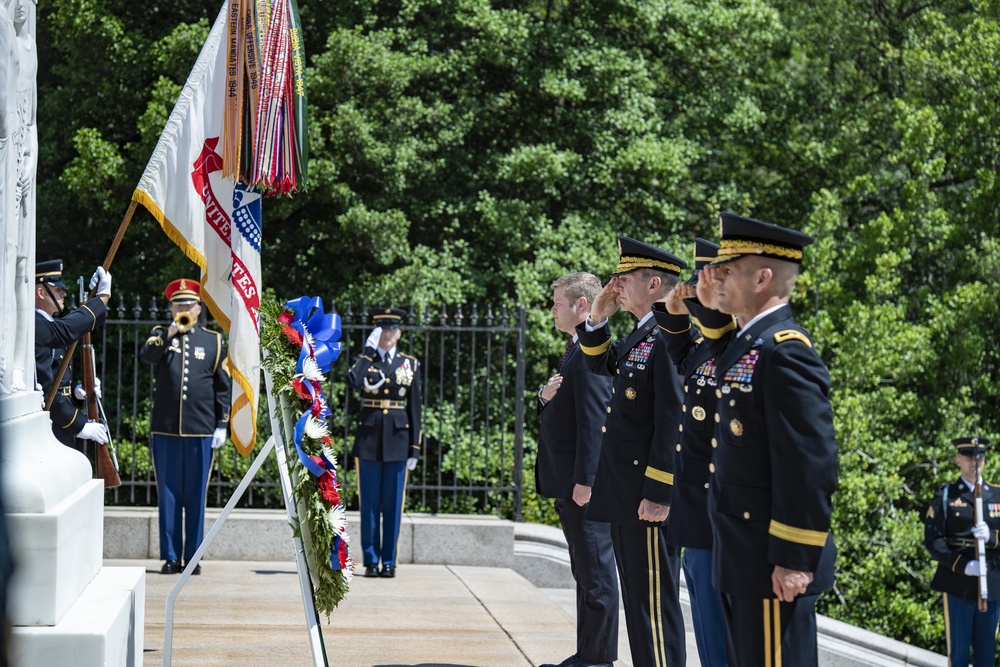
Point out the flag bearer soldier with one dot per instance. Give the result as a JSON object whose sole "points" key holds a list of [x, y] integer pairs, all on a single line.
{"points": [[572, 406], [189, 421], [770, 497], [951, 535], [53, 336], [689, 524], [632, 489], [387, 440]]}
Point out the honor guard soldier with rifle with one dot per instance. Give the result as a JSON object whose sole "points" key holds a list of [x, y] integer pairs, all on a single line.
{"points": [[387, 440], [967, 549], [53, 336], [189, 421], [635, 472], [775, 460]]}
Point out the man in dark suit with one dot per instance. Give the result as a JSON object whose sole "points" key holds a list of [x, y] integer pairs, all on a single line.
{"points": [[951, 535], [635, 472], [770, 497], [53, 336], [189, 421], [387, 440], [689, 524], [571, 410]]}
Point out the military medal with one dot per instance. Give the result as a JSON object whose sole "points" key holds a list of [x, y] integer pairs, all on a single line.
{"points": [[742, 371]]}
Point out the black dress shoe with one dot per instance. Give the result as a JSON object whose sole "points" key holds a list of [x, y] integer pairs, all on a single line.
{"points": [[371, 570], [196, 570], [568, 662], [388, 571], [171, 567]]}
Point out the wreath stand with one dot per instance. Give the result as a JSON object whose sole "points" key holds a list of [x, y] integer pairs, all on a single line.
{"points": [[277, 443]]}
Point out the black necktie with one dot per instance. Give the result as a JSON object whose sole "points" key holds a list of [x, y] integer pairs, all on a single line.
{"points": [[562, 361]]}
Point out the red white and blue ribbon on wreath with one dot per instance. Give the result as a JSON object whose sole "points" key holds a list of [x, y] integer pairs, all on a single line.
{"points": [[317, 333]]}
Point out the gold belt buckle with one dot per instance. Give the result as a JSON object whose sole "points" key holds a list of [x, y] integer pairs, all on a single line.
{"points": [[384, 403]]}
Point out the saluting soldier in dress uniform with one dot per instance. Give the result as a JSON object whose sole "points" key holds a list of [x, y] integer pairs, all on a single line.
{"points": [[951, 534], [689, 524], [770, 497], [190, 419], [632, 490], [387, 440], [53, 336]]}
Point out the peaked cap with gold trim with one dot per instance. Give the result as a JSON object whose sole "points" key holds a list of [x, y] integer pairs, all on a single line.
{"points": [[971, 445], [183, 290], [746, 236], [635, 255], [388, 318], [50, 272]]}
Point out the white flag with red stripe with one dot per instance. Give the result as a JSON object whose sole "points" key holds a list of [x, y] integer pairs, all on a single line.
{"points": [[215, 221]]}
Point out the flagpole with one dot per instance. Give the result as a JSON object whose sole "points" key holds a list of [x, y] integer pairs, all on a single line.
{"points": [[107, 264]]}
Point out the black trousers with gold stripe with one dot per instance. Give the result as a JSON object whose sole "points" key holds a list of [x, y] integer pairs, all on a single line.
{"points": [[764, 632], [649, 570]]}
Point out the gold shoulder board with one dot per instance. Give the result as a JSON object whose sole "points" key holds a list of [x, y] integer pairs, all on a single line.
{"points": [[792, 334]]}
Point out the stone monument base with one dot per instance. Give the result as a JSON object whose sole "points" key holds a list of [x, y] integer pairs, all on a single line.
{"points": [[64, 607]]}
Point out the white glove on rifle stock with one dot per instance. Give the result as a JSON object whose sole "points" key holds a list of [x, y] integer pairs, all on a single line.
{"points": [[94, 431], [981, 531]]}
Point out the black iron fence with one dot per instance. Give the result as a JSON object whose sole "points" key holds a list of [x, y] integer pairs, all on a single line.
{"points": [[473, 378]]}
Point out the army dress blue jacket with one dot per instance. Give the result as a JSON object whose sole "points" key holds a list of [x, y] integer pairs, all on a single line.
{"points": [[948, 538], [770, 498], [641, 430], [192, 382], [389, 422], [693, 467], [51, 340]]}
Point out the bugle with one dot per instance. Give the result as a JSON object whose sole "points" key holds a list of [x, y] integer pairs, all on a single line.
{"points": [[184, 321]]}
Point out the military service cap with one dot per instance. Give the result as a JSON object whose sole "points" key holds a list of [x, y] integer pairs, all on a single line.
{"points": [[746, 236], [971, 445], [388, 318], [183, 290], [50, 272], [635, 255]]}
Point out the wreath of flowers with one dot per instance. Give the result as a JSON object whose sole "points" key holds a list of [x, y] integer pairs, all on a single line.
{"points": [[299, 340]]}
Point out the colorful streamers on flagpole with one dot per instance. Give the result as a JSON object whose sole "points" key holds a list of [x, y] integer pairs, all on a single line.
{"points": [[264, 140]]}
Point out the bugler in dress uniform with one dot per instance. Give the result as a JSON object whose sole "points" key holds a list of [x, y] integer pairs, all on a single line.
{"points": [[950, 535], [775, 462], [387, 440], [636, 467], [189, 420]]}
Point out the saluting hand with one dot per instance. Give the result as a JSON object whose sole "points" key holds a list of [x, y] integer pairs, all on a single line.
{"points": [[674, 301], [606, 303], [786, 583]]}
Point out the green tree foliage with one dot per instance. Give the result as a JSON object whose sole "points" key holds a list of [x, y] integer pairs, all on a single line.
{"points": [[475, 150]]}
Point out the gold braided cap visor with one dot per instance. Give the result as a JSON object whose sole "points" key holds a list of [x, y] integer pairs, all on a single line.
{"points": [[629, 264], [732, 249]]}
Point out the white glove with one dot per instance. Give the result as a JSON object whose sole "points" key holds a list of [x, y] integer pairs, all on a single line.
{"points": [[218, 438], [81, 395], [972, 568], [102, 279], [94, 431], [411, 464], [374, 337], [981, 531]]}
